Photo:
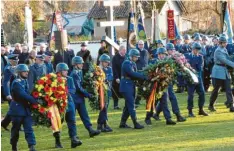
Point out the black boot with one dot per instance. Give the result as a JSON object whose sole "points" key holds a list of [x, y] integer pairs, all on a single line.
{"points": [[180, 118], [107, 128], [75, 142], [57, 140], [202, 112], [156, 117], [232, 109], [123, 124], [191, 113], [211, 108], [137, 125], [32, 148], [93, 132], [100, 127], [147, 118], [5, 122], [170, 122]]}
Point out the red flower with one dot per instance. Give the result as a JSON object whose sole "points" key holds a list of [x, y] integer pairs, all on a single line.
{"points": [[49, 114], [46, 88], [59, 74], [47, 98], [56, 95], [61, 110], [53, 89], [40, 82], [60, 80], [48, 76], [50, 103], [49, 82], [66, 89], [35, 106], [35, 94], [42, 110], [60, 88]]}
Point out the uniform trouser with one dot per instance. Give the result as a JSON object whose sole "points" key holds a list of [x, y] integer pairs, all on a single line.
{"points": [[7, 119], [206, 79], [217, 84], [129, 108], [201, 95], [162, 106], [102, 118], [26, 121], [83, 113], [115, 93], [70, 118], [180, 80]]}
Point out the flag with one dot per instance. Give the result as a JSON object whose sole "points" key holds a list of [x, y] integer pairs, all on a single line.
{"points": [[177, 33], [131, 38], [227, 26], [170, 25], [115, 36], [141, 34], [157, 29]]}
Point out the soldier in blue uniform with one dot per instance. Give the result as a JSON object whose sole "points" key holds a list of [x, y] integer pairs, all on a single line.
{"points": [[48, 64], [78, 97], [20, 109], [70, 116], [186, 48], [221, 76], [178, 45], [9, 76], [172, 97], [36, 71], [196, 61], [161, 104], [102, 118], [153, 53], [127, 88]]}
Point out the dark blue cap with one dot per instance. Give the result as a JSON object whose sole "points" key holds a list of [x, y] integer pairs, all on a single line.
{"points": [[40, 57], [13, 57]]}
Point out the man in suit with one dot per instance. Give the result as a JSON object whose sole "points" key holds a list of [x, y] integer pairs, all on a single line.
{"points": [[20, 109], [117, 62], [127, 88], [221, 75]]}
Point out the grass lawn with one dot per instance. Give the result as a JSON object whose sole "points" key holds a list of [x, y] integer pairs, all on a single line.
{"points": [[215, 132]]}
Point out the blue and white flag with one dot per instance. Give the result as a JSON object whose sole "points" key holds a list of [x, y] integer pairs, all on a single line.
{"points": [[131, 39], [227, 26], [141, 34]]}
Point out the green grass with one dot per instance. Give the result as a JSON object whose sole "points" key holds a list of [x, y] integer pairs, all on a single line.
{"points": [[215, 132]]}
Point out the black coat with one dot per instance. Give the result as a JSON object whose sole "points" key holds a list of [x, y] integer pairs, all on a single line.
{"points": [[62, 57], [102, 50], [86, 57], [116, 66], [23, 57]]}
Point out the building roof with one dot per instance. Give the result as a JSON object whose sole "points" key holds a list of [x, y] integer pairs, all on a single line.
{"points": [[98, 11]]}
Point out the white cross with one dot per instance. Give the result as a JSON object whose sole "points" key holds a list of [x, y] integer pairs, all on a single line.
{"points": [[111, 23]]}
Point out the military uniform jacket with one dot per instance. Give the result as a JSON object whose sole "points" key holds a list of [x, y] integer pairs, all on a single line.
{"points": [[49, 67], [20, 106], [78, 96], [221, 60], [128, 72], [186, 48], [71, 91], [9, 76], [35, 72]]}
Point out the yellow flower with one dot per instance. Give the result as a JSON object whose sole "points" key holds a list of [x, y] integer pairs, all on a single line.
{"points": [[53, 84], [40, 94], [36, 86], [53, 75]]}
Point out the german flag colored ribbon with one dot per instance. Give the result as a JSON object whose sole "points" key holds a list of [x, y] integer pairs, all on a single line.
{"points": [[101, 96], [151, 99], [55, 118]]}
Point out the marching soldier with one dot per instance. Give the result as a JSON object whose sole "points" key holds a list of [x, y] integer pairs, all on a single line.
{"points": [[221, 75], [70, 116], [36, 71], [196, 61], [8, 78], [178, 45], [161, 104], [20, 109], [102, 118], [127, 88], [80, 93]]}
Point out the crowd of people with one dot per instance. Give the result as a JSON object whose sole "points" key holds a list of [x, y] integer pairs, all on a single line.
{"points": [[20, 70]]}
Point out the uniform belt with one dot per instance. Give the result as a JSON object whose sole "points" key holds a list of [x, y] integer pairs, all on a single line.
{"points": [[123, 77], [223, 65]]}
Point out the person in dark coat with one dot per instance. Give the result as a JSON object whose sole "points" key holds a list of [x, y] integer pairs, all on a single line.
{"points": [[102, 50], [42, 49], [117, 62], [141, 63], [24, 55], [17, 49], [70, 52], [62, 56], [85, 54], [48, 64]]}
